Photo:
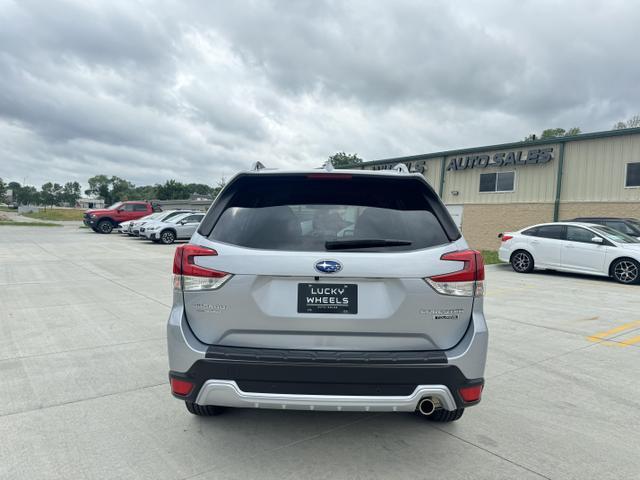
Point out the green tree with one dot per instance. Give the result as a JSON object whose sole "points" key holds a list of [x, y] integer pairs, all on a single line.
{"points": [[199, 188], [121, 189], [552, 133], [30, 196], [633, 122], [47, 196], [100, 186], [145, 192], [3, 190], [111, 189], [70, 193], [344, 160], [219, 186], [15, 188], [172, 190]]}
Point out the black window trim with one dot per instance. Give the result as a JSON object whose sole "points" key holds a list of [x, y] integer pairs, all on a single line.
{"points": [[496, 184]]}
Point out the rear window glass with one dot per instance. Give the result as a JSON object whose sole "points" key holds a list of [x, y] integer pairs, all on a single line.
{"points": [[319, 214]]}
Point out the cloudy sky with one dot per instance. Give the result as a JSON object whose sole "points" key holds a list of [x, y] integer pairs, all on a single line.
{"points": [[198, 90]]}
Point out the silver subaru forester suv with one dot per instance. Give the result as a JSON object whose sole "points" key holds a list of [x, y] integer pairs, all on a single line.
{"points": [[343, 290]]}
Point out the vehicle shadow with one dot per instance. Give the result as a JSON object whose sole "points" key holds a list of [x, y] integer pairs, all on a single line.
{"points": [[505, 267]]}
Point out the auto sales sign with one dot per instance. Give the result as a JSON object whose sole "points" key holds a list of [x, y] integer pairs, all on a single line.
{"points": [[536, 156]]}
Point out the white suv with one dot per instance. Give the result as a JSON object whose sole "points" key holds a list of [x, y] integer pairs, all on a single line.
{"points": [[347, 290]]}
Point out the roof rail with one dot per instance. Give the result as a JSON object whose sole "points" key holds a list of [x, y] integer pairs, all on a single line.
{"points": [[257, 166]]}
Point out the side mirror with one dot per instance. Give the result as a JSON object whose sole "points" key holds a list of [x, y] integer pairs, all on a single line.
{"points": [[597, 240], [182, 222]]}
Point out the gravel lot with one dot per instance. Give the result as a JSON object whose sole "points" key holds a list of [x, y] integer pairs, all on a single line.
{"points": [[84, 394]]}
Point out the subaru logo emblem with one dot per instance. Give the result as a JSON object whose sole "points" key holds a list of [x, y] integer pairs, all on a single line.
{"points": [[328, 266]]}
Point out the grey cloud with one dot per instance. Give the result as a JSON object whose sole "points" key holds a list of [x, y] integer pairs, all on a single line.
{"points": [[197, 90]]}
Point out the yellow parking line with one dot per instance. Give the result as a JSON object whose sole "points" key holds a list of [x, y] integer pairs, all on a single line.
{"points": [[621, 328], [631, 341]]}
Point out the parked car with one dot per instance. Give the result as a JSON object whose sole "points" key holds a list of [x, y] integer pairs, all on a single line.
{"points": [[106, 219], [123, 227], [165, 217], [134, 225], [320, 290], [630, 226], [180, 227], [573, 247]]}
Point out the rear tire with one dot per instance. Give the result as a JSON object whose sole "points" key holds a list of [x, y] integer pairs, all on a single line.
{"points": [[444, 416], [522, 261], [167, 237], [625, 271], [204, 410], [105, 226]]}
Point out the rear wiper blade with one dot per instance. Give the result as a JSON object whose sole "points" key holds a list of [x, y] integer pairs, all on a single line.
{"points": [[364, 243]]}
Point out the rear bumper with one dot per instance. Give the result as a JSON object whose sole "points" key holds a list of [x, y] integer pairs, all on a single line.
{"points": [[504, 254], [227, 393], [324, 380], [320, 379]]}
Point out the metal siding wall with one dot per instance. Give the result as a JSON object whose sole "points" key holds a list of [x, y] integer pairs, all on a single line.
{"points": [[533, 183], [432, 172], [594, 170]]}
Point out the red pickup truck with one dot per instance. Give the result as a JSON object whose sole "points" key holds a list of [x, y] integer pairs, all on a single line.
{"points": [[104, 220]]}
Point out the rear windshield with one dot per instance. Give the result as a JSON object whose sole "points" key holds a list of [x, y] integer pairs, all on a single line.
{"points": [[316, 213]]}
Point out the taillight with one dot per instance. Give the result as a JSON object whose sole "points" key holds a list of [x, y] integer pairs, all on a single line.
{"points": [[471, 394], [189, 276], [181, 387], [505, 237], [467, 282]]}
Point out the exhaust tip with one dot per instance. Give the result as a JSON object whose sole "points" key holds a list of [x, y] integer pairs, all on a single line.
{"points": [[426, 407]]}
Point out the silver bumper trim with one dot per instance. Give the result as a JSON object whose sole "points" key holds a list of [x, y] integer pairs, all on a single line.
{"points": [[226, 393]]}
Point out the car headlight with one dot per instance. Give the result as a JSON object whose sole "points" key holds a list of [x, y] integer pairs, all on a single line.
{"points": [[91, 215]]}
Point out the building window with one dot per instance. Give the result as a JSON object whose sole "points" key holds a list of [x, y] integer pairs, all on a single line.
{"points": [[633, 175], [497, 182]]}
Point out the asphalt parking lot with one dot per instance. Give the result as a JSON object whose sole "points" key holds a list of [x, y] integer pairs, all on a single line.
{"points": [[84, 394]]}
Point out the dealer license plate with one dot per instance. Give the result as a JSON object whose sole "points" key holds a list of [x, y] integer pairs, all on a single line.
{"points": [[327, 298]]}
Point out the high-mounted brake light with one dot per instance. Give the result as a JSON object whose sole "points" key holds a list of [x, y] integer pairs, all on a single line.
{"points": [[188, 276], [330, 176], [467, 282]]}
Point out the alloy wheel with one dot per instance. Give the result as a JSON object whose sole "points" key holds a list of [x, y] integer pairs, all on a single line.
{"points": [[521, 262], [626, 271], [105, 227], [167, 237]]}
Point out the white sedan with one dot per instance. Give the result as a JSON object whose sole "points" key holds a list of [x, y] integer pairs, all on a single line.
{"points": [[124, 226], [573, 247]]}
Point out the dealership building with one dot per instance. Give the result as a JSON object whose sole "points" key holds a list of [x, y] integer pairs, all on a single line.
{"points": [[495, 188]]}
